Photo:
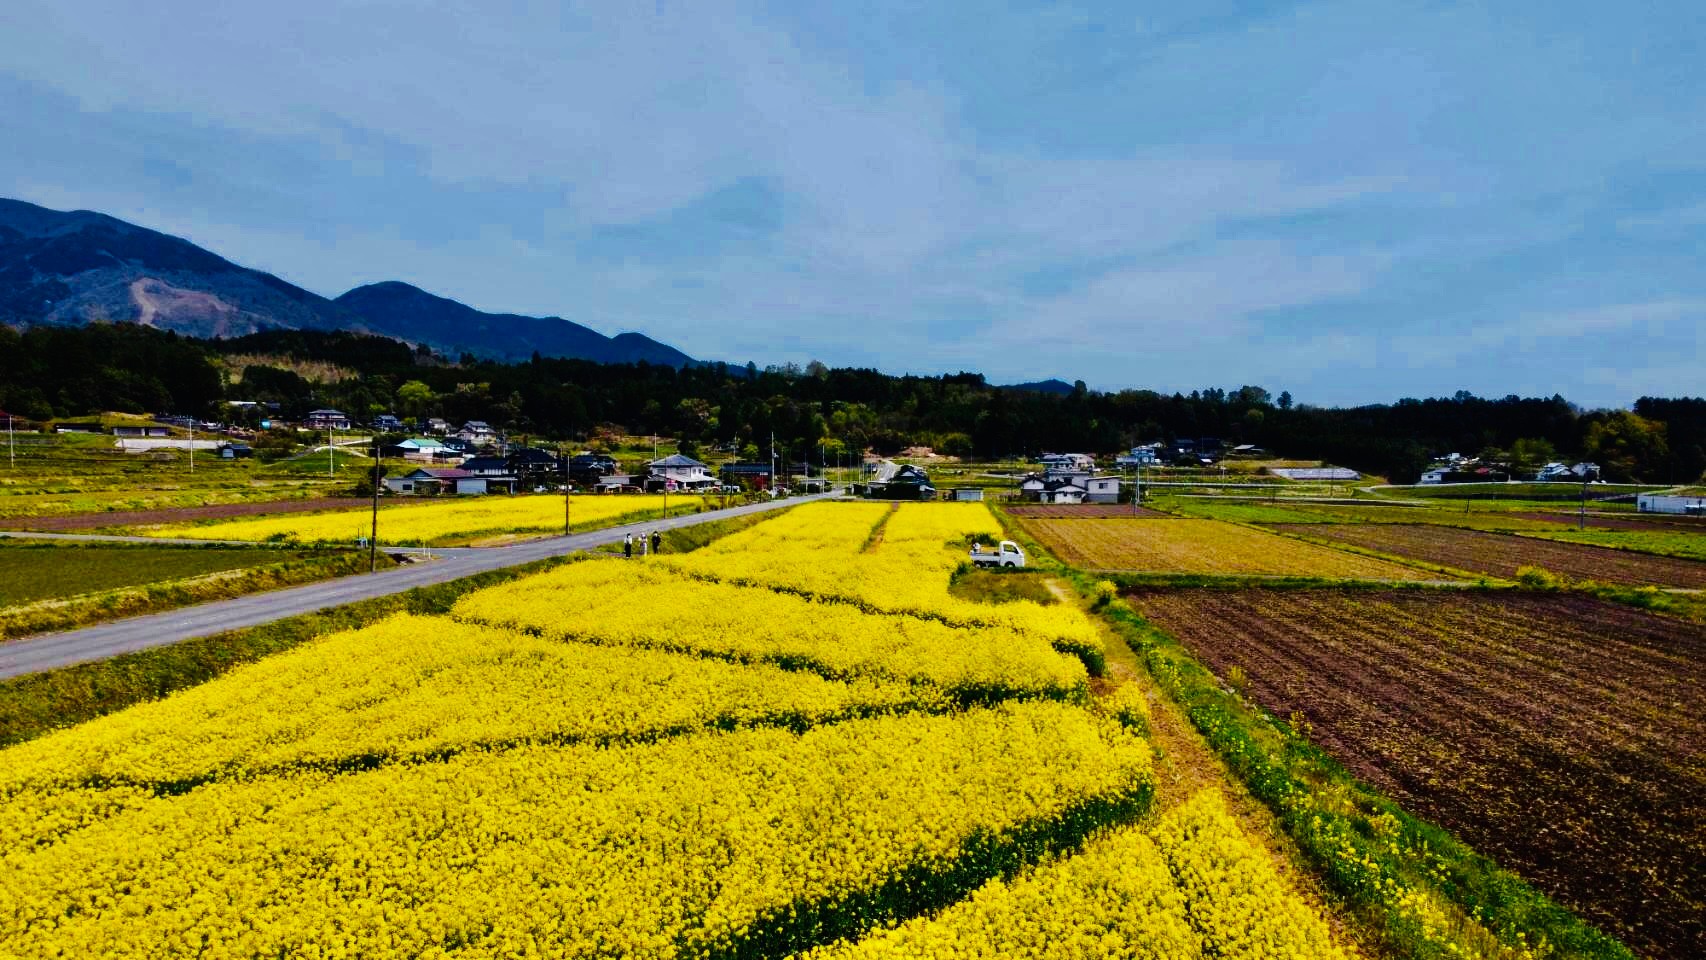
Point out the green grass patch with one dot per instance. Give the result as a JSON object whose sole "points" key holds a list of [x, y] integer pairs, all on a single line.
{"points": [[32, 570], [1685, 544], [1003, 585], [48, 616]]}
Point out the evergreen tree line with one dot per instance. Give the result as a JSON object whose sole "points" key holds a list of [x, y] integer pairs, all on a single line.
{"points": [[55, 372]]}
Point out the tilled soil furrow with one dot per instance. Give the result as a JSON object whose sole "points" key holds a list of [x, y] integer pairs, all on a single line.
{"points": [[1561, 734]]}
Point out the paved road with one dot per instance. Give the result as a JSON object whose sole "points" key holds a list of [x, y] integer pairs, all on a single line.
{"points": [[154, 630]]}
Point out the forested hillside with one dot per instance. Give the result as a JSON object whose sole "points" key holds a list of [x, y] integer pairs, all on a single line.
{"points": [[53, 371]]}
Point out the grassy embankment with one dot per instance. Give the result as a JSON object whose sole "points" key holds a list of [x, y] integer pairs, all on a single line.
{"points": [[49, 586], [38, 703]]}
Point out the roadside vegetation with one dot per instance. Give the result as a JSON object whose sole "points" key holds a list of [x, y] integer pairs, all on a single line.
{"points": [[35, 704], [142, 579]]}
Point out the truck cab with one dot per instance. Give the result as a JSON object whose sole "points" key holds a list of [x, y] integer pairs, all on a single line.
{"points": [[1007, 554]]}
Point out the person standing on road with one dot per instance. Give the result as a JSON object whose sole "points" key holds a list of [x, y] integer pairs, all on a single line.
{"points": [[628, 546], [657, 541]]}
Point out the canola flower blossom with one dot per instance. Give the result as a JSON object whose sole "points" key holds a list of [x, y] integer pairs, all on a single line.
{"points": [[644, 605], [423, 524], [414, 686], [1192, 885], [686, 847], [815, 551]]}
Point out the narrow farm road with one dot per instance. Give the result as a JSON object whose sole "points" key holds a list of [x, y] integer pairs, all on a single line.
{"points": [[47, 652]]}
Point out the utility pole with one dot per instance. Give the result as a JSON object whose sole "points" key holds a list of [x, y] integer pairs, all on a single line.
{"points": [[11, 443], [331, 460], [564, 452], [373, 540], [1582, 517], [192, 446], [773, 463]]}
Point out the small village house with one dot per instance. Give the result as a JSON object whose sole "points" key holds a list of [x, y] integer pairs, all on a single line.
{"points": [[478, 433], [437, 481], [327, 419], [678, 472]]}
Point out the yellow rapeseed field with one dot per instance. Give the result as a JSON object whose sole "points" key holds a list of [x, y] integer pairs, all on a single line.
{"points": [[418, 524], [1193, 885], [680, 848], [644, 605], [825, 750], [411, 686], [905, 571]]}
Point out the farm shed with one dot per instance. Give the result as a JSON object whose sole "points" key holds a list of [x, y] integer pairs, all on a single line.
{"points": [[1318, 473]]}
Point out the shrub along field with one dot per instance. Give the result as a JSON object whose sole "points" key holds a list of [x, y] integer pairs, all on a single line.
{"points": [[1561, 734], [1201, 547], [1502, 555], [704, 768]]}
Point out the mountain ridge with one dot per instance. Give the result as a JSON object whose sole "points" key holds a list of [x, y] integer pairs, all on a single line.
{"points": [[82, 266]]}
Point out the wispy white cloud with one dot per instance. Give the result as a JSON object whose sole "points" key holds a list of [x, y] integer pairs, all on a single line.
{"points": [[1294, 193]]}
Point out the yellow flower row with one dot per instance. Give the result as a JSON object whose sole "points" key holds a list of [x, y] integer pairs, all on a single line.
{"points": [[907, 572], [1195, 885], [1239, 902], [613, 602], [418, 524], [687, 847], [412, 686]]}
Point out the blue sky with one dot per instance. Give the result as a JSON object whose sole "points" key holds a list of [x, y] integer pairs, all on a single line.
{"points": [[1354, 201]]}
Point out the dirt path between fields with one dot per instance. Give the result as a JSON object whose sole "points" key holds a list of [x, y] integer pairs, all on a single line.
{"points": [[1184, 765]]}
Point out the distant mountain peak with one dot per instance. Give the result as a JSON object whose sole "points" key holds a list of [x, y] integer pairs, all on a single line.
{"points": [[403, 310], [1052, 385], [80, 266]]}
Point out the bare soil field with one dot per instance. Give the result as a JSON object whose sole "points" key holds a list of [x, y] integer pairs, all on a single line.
{"points": [[1086, 511], [1562, 735], [1202, 547], [136, 518], [1501, 555]]}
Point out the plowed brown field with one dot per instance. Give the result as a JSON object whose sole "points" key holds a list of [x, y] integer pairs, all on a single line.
{"points": [[1085, 511], [1501, 555], [1201, 547], [1562, 735]]}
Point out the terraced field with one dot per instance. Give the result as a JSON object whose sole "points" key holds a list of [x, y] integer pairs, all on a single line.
{"points": [[1201, 547], [1501, 555], [1563, 735]]}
